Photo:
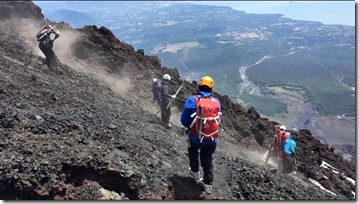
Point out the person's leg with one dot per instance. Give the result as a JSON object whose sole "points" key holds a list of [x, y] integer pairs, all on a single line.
{"points": [[272, 153], [285, 163], [44, 50], [168, 114], [267, 156], [193, 156], [52, 57], [206, 155], [163, 113], [291, 165]]}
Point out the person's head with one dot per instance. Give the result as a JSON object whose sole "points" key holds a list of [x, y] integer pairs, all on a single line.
{"points": [[166, 77], [282, 127], [295, 133], [206, 84], [288, 135]]}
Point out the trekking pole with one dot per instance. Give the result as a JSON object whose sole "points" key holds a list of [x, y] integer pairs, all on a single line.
{"points": [[175, 94], [172, 99], [158, 112], [295, 165]]}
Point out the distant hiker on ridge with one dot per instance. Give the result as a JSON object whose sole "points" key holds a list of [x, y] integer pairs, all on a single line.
{"points": [[201, 115], [46, 38], [156, 89], [276, 149], [164, 101]]}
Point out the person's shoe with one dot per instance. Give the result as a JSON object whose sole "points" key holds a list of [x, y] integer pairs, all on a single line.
{"points": [[168, 125], [195, 175], [207, 188]]}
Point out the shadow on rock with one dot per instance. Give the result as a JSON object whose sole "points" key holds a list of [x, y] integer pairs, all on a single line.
{"points": [[185, 188]]}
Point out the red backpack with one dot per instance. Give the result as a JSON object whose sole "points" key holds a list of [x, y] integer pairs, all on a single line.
{"points": [[206, 120], [281, 137]]}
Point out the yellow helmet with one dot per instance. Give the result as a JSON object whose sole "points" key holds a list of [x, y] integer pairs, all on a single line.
{"points": [[207, 80]]}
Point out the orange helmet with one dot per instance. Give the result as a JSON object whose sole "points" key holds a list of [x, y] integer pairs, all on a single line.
{"points": [[207, 80]]}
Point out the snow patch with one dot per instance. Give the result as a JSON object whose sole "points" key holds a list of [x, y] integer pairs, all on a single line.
{"points": [[351, 180], [337, 172], [320, 186], [328, 166]]}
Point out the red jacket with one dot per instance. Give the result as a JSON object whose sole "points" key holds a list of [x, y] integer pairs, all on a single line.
{"points": [[278, 142]]}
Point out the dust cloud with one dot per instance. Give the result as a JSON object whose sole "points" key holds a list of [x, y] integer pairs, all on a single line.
{"points": [[27, 29], [64, 48], [258, 156]]}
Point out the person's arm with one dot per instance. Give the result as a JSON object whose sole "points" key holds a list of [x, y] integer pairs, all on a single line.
{"points": [[166, 92], [57, 34], [188, 109], [220, 106]]}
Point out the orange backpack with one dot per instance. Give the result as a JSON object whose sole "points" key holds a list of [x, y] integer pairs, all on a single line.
{"points": [[206, 120]]}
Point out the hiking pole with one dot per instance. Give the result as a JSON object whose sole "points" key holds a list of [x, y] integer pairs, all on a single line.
{"points": [[172, 99], [158, 112], [295, 165], [175, 95]]}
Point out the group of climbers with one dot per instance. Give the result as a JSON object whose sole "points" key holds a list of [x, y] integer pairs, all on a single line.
{"points": [[201, 116], [283, 147]]}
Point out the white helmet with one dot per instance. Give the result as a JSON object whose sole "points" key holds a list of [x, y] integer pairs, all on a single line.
{"points": [[282, 127], [167, 77], [154, 80]]}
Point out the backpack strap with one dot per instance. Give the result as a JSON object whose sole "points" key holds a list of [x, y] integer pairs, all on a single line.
{"points": [[197, 98]]}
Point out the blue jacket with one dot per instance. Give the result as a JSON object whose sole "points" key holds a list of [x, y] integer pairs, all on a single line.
{"points": [[186, 120], [289, 146]]}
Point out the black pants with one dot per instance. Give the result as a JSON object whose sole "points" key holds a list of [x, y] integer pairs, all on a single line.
{"points": [[288, 163], [51, 59], [165, 113], [205, 152]]}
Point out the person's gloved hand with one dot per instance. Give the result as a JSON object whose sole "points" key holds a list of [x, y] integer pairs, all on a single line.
{"points": [[173, 96]]}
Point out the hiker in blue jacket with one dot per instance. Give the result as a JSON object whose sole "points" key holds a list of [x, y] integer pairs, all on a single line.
{"points": [[206, 146], [289, 151]]}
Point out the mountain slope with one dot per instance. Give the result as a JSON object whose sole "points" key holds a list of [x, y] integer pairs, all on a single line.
{"points": [[88, 128]]}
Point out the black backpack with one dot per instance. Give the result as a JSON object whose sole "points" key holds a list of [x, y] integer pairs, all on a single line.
{"points": [[42, 35], [156, 89]]}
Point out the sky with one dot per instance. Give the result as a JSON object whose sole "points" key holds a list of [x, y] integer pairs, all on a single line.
{"points": [[327, 12]]}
